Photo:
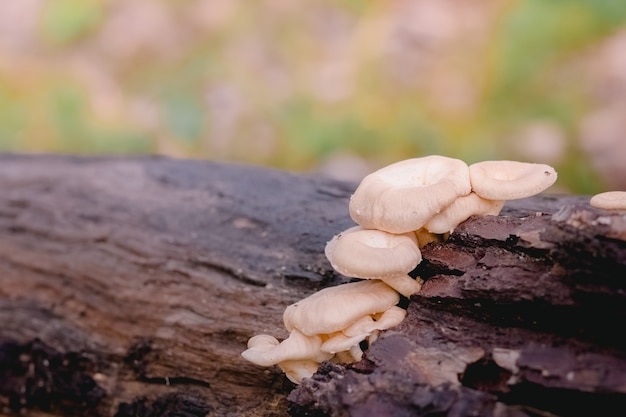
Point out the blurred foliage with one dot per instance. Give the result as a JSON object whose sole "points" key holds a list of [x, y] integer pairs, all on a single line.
{"points": [[289, 84], [64, 21]]}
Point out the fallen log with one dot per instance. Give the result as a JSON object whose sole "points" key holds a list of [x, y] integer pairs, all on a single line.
{"points": [[129, 287]]}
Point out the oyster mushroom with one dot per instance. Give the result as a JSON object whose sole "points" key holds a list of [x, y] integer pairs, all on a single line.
{"points": [[375, 254], [510, 180], [335, 308], [610, 200], [401, 197]]}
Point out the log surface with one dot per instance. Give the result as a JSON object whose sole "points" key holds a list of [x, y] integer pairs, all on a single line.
{"points": [[129, 287]]}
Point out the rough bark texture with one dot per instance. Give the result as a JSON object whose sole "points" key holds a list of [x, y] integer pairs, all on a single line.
{"points": [[522, 315], [129, 287]]}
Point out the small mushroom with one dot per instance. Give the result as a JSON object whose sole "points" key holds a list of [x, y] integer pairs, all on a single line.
{"points": [[298, 356], [264, 350], [335, 308], [355, 354], [257, 345], [401, 197], [375, 254], [510, 180], [610, 200], [460, 210]]}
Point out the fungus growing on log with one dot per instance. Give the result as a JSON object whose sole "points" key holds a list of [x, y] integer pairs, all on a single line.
{"points": [[332, 321], [398, 209]]}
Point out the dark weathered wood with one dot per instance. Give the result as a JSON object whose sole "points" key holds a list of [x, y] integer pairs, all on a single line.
{"points": [[522, 315], [129, 286], [155, 272]]}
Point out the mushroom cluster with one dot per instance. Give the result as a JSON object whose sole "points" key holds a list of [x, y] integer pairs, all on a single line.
{"points": [[328, 325], [398, 209]]}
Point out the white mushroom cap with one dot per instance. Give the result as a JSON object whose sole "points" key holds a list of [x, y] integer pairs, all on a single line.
{"points": [[374, 254], [610, 200], [335, 308], [363, 253], [510, 180], [460, 210], [263, 350], [401, 197]]}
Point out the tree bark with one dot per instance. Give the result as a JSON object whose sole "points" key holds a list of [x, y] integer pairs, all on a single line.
{"points": [[130, 286]]}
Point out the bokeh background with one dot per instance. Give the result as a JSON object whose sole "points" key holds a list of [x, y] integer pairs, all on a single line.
{"points": [[340, 87]]}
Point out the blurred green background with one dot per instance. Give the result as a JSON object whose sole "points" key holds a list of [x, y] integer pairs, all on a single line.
{"points": [[340, 87]]}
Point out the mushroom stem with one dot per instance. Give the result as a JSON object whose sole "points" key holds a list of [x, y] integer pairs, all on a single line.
{"points": [[296, 371], [404, 284], [263, 351], [424, 237], [399, 209], [335, 308]]}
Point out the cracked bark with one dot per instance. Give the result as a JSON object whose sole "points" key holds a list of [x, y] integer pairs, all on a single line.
{"points": [[129, 286]]}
